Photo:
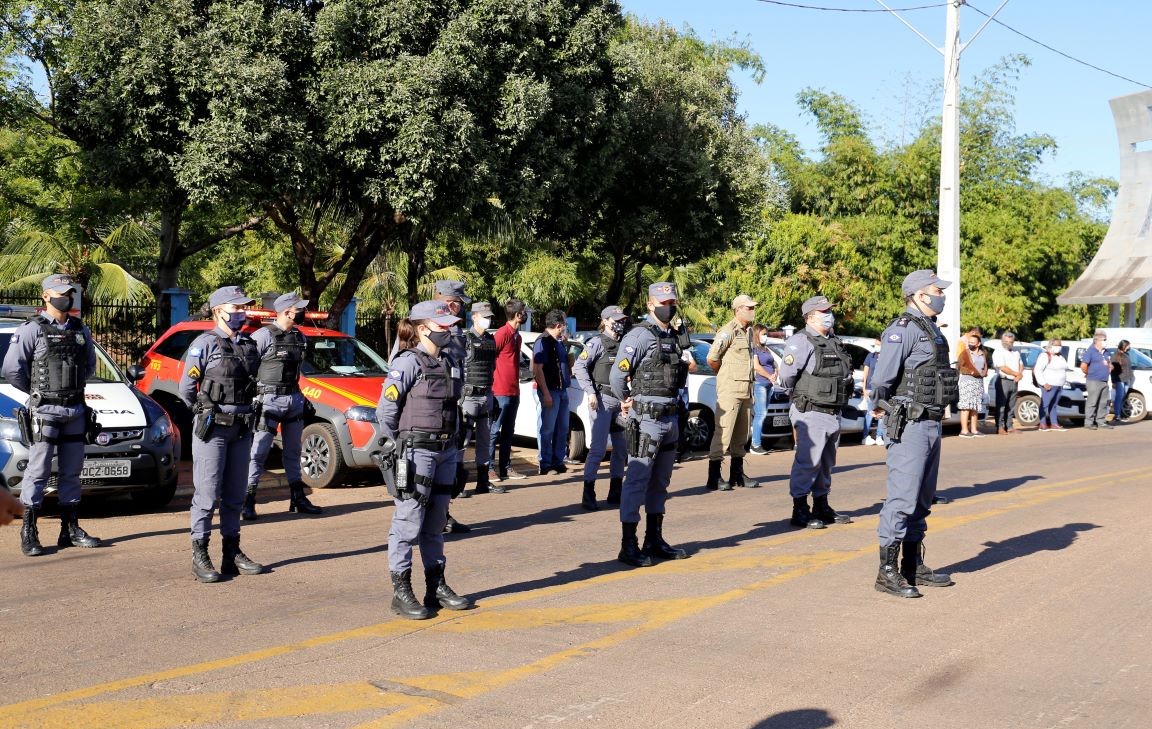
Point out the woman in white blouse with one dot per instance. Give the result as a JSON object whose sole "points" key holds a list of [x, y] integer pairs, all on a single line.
{"points": [[1050, 373]]}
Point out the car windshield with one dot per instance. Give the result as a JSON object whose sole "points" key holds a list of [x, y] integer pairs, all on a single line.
{"points": [[1028, 355], [106, 371], [341, 357], [1140, 361]]}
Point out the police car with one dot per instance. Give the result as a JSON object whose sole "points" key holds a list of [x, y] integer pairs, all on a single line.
{"points": [[340, 376], [137, 450]]}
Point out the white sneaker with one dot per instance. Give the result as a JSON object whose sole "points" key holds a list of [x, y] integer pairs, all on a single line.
{"points": [[869, 440]]}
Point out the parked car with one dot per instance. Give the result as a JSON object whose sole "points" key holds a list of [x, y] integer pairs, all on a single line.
{"points": [[1136, 403], [137, 451], [1027, 413], [579, 419], [340, 375]]}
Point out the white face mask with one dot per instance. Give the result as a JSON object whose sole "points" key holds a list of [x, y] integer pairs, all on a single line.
{"points": [[483, 324], [763, 339]]}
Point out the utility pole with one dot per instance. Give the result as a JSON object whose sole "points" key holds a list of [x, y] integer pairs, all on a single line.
{"points": [[948, 233]]}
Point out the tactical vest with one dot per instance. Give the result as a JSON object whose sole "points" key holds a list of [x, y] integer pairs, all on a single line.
{"points": [[58, 373], [829, 384], [279, 371], [551, 365], [935, 383], [479, 360], [602, 370], [229, 381], [663, 371], [431, 403]]}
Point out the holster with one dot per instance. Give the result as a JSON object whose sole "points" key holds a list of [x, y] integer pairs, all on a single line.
{"points": [[895, 419], [632, 437], [386, 460], [24, 420], [92, 426], [202, 423], [258, 419]]}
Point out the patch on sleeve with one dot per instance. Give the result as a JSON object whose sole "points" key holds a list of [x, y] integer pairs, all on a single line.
{"points": [[624, 365], [584, 354], [194, 373], [391, 393], [723, 336], [630, 350], [394, 374], [15, 337], [789, 359], [195, 352], [895, 337]]}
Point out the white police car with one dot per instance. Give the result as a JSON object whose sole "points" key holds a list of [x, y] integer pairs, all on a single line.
{"points": [[136, 452]]}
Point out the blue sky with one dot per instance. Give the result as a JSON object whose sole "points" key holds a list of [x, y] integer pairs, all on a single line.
{"points": [[878, 63]]}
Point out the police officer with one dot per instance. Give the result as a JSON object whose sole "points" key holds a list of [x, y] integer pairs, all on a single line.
{"points": [[476, 406], [914, 383], [219, 384], [452, 294], [593, 371], [281, 347], [50, 357], [417, 416], [730, 356], [817, 372], [651, 367]]}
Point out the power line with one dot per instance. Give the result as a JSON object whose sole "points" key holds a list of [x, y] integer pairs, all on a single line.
{"points": [[1057, 51], [850, 10]]}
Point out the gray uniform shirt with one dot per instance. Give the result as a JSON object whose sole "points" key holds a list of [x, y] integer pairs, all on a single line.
{"points": [[903, 346], [636, 346], [27, 343], [797, 358], [205, 354], [264, 339], [586, 362], [402, 374]]}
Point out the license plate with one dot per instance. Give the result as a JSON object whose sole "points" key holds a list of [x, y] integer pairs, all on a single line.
{"points": [[106, 469], [781, 421]]}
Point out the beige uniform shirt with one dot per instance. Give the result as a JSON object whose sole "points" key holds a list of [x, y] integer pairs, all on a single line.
{"points": [[733, 349]]}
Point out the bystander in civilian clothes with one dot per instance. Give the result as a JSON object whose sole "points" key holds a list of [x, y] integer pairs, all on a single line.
{"points": [[1050, 373], [1122, 379], [1096, 368]]}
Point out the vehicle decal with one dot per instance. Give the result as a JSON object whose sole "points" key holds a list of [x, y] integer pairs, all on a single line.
{"points": [[340, 391]]}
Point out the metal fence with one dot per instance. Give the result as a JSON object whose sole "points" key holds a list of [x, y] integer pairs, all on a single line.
{"points": [[376, 330], [125, 329]]}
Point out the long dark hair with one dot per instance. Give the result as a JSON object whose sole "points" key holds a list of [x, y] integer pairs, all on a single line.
{"points": [[406, 333], [757, 330]]}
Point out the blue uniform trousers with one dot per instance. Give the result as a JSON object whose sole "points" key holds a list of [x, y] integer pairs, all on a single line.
{"points": [[648, 474], [423, 526], [65, 440], [817, 435], [913, 466], [477, 424], [220, 471], [603, 416], [287, 411]]}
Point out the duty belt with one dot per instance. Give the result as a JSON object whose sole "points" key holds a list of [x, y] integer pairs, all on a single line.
{"points": [[64, 400], [476, 390], [656, 409], [936, 415], [426, 441], [263, 389], [806, 407], [226, 419]]}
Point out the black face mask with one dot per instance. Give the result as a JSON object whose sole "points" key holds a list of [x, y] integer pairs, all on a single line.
{"points": [[440, 339], [619, 328], [664, 312], [61, 303], [298, 317]]}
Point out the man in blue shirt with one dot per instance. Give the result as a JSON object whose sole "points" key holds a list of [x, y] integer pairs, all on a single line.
{"points": [[1096, 367], [552, 375]]}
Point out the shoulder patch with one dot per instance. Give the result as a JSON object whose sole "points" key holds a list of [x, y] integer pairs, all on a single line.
{"points": [[195, 352], [16, 336], [584, 354], [194, 373], [624, 365], [723, 336], [394, 374], [391, 393], [895, 337], [630, 350], [789, 359]]}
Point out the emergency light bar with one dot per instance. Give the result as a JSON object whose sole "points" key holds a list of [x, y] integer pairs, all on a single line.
{"points": [[269, 314]]}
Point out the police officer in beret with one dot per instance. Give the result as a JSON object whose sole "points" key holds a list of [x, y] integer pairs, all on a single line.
{"points": [[817, 372], [476, 405], [218, 384], [50, 357], [281, 348], [417, 415], [593, 371], [730, 356], [914, 383], [651, 367]]}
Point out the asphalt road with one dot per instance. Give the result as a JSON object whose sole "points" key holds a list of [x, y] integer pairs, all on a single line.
{"points": [[764, 626]]}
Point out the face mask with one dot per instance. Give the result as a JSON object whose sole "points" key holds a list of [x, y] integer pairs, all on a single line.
{"points": [[664, 312], [483, 324], [936, 303], [618, 328], [763, 339], [61, 303], [298, 317], [827, 319], [236, 320], [440, 339]]}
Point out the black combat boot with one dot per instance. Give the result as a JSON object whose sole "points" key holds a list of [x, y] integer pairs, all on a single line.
{"points": [[202, 568], [298, 502], [483, 484], [802, 515], [825, 513], [404, 602], [889, 579], [455, 527], [29, 534], [715, 480], [235, 562], [439, 594], [588, 500], [630, 553], [71, 535], [654, 544], [248, 513], [615, 486], [917, 573], [737, 476], [462, 482]]}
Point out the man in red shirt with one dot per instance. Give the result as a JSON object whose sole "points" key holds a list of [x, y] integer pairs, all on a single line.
{"points": [[506, 394]]}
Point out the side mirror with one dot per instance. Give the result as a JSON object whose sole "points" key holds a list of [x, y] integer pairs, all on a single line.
{"points": [[135, 373]]}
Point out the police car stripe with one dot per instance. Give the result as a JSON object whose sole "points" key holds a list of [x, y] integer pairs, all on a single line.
{"points": [[339, 391]]}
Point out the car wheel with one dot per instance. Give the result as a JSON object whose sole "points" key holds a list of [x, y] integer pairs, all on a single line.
{"points": [[577, 441], [321, 462], [157, 497], [1028, 411], [698, 430], [1135, 408]]}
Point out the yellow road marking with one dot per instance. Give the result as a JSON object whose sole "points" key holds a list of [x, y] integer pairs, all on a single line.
{"points": [[160, 712]]}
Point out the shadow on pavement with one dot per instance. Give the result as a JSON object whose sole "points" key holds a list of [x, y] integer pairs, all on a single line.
{"points": [[1003, 484], [797, 719], [585, 571], [1044, 540], [326, 556]]}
